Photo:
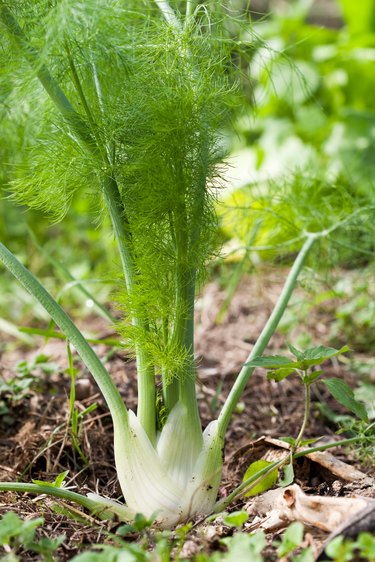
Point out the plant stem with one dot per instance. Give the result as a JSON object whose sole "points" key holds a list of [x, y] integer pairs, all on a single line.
{"points": [[146, 411], [168, 13], [61, 319], [187, 392], [189, 10], [265, 336], [318, 448], [90, 504], [305, 416]]}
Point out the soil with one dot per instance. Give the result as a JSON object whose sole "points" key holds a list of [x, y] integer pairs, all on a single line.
{"points": [[36, 443]]}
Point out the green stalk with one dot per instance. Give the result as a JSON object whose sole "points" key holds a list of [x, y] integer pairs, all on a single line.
{"points": [[305, 416], [187, 392], [265, 336], [112, 198], [189, 10], [183, 334], [95, 506], [61, 319], [168, 13]]}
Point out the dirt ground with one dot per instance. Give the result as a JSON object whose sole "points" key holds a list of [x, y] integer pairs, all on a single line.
{"points": [[35, 442]]}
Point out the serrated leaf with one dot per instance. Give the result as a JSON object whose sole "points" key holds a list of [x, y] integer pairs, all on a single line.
{"points": [[342, 392], [271, 362], [288, 477], [279, 374], [267, 481], [298, 354], [319, 354]]}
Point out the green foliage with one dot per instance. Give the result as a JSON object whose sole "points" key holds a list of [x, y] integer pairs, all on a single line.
{"points": [[146, 106], [21, 536], [265, 483], [243, 546], [311, 357], [26, 380], [311, 142], [291, 539], [281, 367], [355, 313], [342, 392], [236, 518], [341, 549], [16, 533], [360, 21], [59, 481]]}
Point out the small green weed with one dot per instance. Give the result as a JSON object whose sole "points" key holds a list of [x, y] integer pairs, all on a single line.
{"points": [[28, 377], [17, 535]]}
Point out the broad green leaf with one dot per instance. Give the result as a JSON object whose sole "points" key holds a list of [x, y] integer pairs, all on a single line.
{"points": [[292, 537], [267, 481], [271, 362], [306, 359], [322, 352], [288, 477], [236, 518], [319, 354], [279, 374], [342, 392]]}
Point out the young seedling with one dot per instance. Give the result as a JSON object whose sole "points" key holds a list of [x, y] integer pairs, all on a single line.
{"points": [[129, 104], [262, 475]]}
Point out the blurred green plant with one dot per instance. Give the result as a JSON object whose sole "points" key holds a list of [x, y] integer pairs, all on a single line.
{"points": [[314, 128]]}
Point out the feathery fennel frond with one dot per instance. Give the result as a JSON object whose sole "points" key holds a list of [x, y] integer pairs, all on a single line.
{"points": [[55, 168], [168, 151]]}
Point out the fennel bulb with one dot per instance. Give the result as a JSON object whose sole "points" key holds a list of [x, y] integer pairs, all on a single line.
{"points": [[177, 479]]}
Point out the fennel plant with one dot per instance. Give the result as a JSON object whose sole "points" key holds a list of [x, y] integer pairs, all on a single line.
{"points": [[127, 103]]}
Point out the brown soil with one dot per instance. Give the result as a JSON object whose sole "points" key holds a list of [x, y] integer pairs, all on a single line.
{"points": [[35, 442]]}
